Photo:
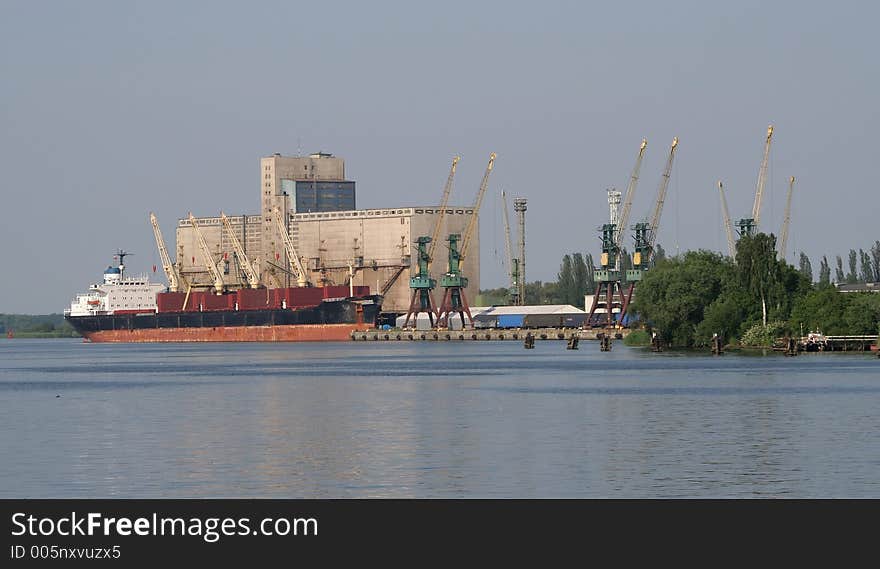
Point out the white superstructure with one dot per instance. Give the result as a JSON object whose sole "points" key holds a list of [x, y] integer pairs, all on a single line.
{"points": [[116, 294]]}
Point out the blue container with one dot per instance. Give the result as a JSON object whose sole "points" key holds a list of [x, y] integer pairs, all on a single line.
{"points": [[510, 320]]}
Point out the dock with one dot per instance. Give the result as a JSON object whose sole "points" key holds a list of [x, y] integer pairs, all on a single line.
{"points": [[481, 334]]}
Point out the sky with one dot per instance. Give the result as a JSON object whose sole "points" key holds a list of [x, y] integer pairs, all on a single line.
{"points": [[111, 110]]}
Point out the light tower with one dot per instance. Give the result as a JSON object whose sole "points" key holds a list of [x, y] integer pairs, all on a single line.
{"points": [[519, 206]]}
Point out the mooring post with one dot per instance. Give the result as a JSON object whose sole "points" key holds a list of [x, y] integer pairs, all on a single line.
{"points": [[717, 345], [656, 344]]}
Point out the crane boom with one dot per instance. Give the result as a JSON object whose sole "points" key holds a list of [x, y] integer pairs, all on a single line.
{"points": [[247, 267], [728, 228], [628, 197], [174, 280], [296, 266], [469, 232], [507, 247], [447, 190], [207, 256], [786, 221], [661, 194], [762, 179]]}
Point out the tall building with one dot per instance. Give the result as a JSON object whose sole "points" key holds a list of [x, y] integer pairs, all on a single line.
{"points": [[332, 238], [313, 183]]}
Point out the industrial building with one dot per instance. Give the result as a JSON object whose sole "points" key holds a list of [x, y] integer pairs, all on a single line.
{"points": [[337, 243]]}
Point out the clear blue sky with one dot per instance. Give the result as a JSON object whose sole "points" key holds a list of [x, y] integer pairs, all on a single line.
{"points": [[113, 109]]}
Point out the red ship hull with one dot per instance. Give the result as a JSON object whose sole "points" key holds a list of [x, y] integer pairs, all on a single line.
{"points": [[276, 333]]}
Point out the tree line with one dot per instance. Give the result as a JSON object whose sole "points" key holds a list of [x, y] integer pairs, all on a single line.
{"points": [[576, 278], [862, 266], [36, 326], [751, 299]]}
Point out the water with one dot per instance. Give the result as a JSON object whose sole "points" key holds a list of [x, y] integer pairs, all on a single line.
{"points": [[470, 419]]}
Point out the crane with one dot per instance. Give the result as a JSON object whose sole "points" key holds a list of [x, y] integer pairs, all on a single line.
{"points": [[762, 179], [422, 284], [609, 292], [175, 281], [247, 267], [296, 266], [786, 221], [207, 256], [645, 238], [447, 190], [731, 245], [623, 219], [454, 283], [512, 262]]}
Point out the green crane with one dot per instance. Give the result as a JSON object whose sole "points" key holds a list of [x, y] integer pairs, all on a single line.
{"points": [[454, 283], [422, 284]]}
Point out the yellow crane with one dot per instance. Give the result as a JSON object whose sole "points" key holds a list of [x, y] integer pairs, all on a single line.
{"points": [[786, 221], [512, 262], [623, 219], [728, 228], [207, 256], [296, 266], [447, 190], [762, 179], [175, 281], [472, 223], [246, 266]]}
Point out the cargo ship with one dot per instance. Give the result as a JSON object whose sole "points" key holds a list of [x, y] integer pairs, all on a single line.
{"points": [[133, 309]]}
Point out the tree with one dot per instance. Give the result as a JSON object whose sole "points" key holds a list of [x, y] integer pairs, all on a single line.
{"points": [[805, 267], [824, 272], [838, 271], [867, 273], [565, 279], [581, 272], [673, 295], [590, 284], [875, 257], [659, 253], [852, 276], [759, 271]]}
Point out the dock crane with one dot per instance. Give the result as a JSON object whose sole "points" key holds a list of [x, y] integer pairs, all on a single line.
{"points": [[728, 228], [645, 237], [786, 221], [454, 283], [609, 291], [175, 280], [749, 225], [646, 233], [513, 295], [207, 256], [422, 284], [246, 266], [625, 210], [296, 266]]}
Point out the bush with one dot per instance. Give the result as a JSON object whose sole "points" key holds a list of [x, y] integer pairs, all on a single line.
{"points": [[760, 336], [637, 338]]}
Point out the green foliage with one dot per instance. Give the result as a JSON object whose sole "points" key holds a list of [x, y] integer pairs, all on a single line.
{"points": [[674, 294], [762, 336], [824, 272], [36, 326], [637, 338]]}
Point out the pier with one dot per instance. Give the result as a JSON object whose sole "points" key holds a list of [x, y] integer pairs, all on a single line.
{"points": [[481, 334]]}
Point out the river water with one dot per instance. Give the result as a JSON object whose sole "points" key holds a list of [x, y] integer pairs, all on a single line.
{"points": [[425, 419]]}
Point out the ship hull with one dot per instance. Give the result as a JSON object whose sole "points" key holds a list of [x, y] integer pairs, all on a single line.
{"points": [[329, 321]]}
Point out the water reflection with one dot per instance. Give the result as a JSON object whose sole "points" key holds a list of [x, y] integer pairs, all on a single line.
{"points": [[431, 420]]}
